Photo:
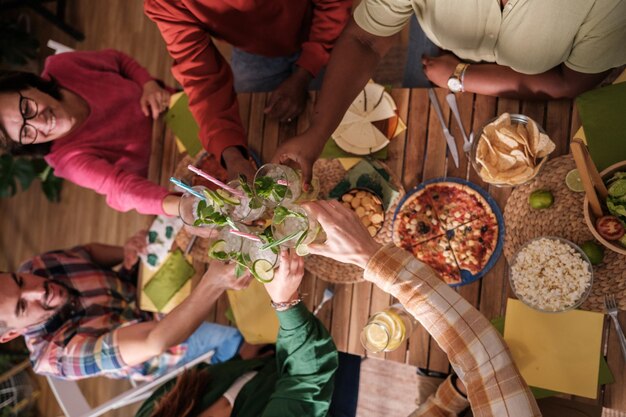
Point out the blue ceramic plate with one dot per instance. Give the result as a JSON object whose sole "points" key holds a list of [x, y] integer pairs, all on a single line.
{"points": [[466, 276]]}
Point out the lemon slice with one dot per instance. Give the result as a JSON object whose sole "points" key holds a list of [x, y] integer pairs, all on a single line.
{"points": [[228, 198], [377, 338], [263, 270], [573, 181]]}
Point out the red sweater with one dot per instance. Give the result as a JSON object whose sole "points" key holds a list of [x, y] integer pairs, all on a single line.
{"points": [[263, 27], [110, 151]]}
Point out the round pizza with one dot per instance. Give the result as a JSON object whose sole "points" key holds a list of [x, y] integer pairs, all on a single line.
{"points": [[449, 226]]}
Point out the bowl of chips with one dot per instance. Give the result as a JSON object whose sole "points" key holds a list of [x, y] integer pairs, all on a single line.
{"points": [[368, 206], [510, 150]]}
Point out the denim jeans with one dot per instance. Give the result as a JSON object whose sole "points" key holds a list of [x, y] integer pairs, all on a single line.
{"points": [[211, 336], [419, 45], [256, 73]]}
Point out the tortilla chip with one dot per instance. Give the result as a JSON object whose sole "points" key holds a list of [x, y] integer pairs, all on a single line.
{"points": [[544, 146], [503, 120]]}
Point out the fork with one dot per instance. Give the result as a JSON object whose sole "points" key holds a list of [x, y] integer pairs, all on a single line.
{"points": [[612, 310]]}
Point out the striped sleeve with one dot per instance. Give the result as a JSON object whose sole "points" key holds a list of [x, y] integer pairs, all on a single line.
{"points": [[475, 349]]}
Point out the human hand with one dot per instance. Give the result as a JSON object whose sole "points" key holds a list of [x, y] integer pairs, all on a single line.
{"points": [[300, 152], [134, 246], [439, 68], [237, 164], [347, 241], [221, 275], [289, 99], [154, 99], [284, 286]]}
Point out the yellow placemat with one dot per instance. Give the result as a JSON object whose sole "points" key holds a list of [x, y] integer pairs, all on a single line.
{"points": [[254, 316], [558, 351]]}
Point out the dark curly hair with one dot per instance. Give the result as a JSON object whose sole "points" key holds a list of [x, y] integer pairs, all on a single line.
{"points": [[14, 82]]}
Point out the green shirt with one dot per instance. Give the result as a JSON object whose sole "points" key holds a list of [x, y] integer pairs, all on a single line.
{"points": [[530, 36], [298, 382]]}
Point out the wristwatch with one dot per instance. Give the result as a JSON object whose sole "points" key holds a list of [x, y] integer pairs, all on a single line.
{"points": [[455, 82]]}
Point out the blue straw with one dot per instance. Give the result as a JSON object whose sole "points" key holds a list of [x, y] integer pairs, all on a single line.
{"points": [[187, 188]]}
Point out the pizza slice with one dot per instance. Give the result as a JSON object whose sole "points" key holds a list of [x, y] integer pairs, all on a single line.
{"points": [[473, 243], [437, 254], [416, 222], [457, 204]]}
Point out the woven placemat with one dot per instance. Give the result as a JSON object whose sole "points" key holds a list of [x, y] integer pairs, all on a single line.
{"points": [[331, 172], [564, 219]]}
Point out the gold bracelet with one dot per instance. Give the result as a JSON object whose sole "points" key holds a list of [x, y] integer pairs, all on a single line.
{"points": [[287, 305]]}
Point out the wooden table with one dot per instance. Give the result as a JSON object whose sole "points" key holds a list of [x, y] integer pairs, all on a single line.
{"points": [[416, 155]]}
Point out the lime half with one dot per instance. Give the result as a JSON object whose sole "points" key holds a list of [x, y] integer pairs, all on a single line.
{"points": [[594, 252], [573, 181], [218, 250], [263, 270]]}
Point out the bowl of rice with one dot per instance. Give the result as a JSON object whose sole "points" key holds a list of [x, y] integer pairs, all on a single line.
{"points": [[551, 274]]}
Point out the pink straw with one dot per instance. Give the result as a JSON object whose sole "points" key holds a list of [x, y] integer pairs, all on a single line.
{"points": [[282, 182], [215, 181], [245, 235]]}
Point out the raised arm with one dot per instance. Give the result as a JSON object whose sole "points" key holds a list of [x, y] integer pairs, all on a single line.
{"points": [[352, 63], [123, 190], [475, 349], [305, 352], [206, 77]]}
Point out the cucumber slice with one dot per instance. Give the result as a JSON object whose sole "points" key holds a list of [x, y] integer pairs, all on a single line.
{"points": [[228, 198], [263, 270]]}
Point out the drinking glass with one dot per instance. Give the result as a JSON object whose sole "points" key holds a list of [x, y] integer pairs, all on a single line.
{"points": [[277, 184], [188, 207], [386, 330], [303, 228], [242, 212]]}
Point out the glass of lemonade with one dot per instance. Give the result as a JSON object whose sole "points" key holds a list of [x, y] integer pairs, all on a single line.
{"points": [[295, 228], [226, 246], [188, 206], [242, 212], [261, 262], [277, 184], [386, 330]]}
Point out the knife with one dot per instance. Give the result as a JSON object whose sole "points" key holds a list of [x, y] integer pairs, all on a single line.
{"points": [[451, 99], [449, 138]]}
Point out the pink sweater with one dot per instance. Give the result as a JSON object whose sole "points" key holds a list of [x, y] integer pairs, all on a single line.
{"points": [[110, 151]]}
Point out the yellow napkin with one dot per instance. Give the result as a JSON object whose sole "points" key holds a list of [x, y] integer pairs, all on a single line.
{"points": [[555, 351], [254, 316]]}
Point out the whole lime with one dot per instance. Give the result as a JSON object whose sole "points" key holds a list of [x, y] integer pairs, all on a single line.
{"points": [[540, 199], [594, 252]]}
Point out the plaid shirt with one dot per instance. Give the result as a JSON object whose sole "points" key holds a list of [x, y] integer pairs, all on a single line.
{"points": [[79, 341], [475, 349]]}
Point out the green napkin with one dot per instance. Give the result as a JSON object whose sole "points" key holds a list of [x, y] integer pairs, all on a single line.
{"points": [[604, 377], [181, 121], [169, 279], [332, 150], [602, 115]]}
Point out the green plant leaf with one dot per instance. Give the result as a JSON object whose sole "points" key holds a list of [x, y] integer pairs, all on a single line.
{"points": [[52, 187]]}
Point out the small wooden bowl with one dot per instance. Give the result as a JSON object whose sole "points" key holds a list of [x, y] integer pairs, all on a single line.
{"points": [[590, 219]]}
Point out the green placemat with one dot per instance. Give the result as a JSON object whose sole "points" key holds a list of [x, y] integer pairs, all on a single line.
{"points": [[181, 121], [603, 116], [332, 150], [604, 377], [169, 279]]}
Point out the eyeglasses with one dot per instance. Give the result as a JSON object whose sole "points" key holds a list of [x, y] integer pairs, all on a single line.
{"points": [[28, 110]]}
